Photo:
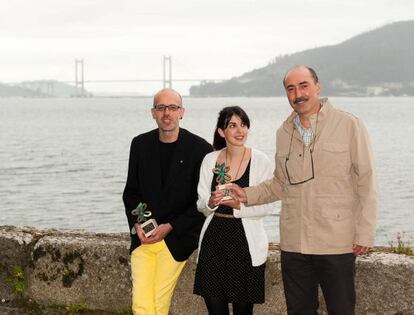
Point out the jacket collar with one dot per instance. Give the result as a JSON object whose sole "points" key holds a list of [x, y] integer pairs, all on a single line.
{"points": [[317, 118]]}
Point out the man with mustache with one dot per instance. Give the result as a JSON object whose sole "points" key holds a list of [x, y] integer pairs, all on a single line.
{"points": [[325, 178], [164, 166]]}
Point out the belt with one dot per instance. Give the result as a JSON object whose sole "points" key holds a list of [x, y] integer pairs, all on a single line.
{"points": [[224, 215]]}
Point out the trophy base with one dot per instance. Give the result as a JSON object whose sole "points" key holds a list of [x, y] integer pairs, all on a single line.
{"points": [[149, 227], [226, 191]]}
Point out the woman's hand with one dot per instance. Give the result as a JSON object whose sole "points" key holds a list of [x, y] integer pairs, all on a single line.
{"points": [[215, 198]]}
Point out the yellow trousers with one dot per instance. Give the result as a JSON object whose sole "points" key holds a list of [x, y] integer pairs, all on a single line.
{"points": [[154, 276]]}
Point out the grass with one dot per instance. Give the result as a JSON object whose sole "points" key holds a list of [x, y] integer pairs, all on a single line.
{"points": [[402, 244], [74, 309], [17, 280]]}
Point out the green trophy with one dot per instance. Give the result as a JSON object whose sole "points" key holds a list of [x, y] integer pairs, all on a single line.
{"points": [[147, 224], [222, 179]]}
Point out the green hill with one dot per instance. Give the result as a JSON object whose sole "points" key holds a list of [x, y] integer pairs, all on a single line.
{"points": [[378, 62]]}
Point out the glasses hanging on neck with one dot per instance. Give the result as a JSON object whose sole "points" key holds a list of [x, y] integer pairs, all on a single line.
{"points": [[312, 176]]}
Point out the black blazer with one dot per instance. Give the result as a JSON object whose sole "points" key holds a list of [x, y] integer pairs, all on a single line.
{"points": [[175, 203]]}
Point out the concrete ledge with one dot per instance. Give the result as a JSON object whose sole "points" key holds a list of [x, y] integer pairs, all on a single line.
{"points": [[64, 268]]}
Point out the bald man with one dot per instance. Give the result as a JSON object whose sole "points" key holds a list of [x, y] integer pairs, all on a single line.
{"points": [[325, 177], [163, 175]]}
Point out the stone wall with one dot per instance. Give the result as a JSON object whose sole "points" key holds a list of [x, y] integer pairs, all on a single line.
{"points": [[67, 268]]}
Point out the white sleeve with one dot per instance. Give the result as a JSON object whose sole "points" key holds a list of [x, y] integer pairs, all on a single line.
{"points": [[204, 186]]}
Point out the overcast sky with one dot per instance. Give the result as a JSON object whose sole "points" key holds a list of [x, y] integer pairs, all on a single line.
{"points": [[209, 39]]}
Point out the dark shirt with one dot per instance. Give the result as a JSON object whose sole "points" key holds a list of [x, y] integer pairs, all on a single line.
{"points": [[166, 154]]}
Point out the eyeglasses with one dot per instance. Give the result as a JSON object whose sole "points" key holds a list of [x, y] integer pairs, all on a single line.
{"points": [[162, 107], [311, 157]]}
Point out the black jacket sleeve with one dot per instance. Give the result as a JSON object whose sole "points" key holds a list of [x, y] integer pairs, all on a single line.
{"points": [[131, 195]]}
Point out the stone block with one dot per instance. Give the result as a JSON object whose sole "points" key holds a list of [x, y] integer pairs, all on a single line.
{"points": [[385, 284], [15, 250], [89, 269]]}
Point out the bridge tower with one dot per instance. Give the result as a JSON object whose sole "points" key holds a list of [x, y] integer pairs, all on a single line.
{"points": [[50, 88], [167, 72], [79, 78]]}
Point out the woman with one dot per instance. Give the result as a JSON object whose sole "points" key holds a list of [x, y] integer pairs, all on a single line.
{"points": [[233, 244]]}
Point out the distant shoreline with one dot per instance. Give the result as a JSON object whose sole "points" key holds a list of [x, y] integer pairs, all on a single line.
{"points": [[191, 96]]}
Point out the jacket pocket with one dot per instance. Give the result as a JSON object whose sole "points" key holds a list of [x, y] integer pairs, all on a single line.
{"points": [[337, 214], [334, 160], [334, 222]]}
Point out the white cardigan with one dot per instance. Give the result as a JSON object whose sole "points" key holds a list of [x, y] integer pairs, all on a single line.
{"points": [[252, 217]]}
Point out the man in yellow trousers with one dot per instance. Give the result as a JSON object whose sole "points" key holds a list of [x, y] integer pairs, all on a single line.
{"points": [[160, 203]]}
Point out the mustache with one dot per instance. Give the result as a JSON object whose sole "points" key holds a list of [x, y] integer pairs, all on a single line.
{"points": [[300, 99]]}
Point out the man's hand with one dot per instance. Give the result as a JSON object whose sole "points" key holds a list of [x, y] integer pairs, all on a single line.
{"points": [[216, 199], [359, 250], [238, 193], [158, 235], [232, 203]]}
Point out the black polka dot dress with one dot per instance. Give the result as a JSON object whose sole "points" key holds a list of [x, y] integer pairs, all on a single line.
{"points": [[224, 268]]}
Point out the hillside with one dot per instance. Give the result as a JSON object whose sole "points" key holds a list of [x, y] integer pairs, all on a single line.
{"points": [[39, 88], [12, 91], [378, 62]]}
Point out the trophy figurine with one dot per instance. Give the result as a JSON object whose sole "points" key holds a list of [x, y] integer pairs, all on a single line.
{"points": [[222, 179], [148, 225]]}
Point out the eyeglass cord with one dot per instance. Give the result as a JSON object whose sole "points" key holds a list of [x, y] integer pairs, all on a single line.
{"points": [[313, 140]]}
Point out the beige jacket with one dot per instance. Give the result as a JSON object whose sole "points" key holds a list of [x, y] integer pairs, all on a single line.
{"points": [[336, 209]]}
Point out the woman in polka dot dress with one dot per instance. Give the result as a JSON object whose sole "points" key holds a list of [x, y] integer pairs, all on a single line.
{"points": [[233, 244]]}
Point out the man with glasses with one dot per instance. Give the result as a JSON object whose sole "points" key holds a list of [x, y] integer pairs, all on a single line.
{"points": [[325, 177], [163, 173]]}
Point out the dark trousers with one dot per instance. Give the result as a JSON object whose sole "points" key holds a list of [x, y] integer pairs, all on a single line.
{"points": [[303, 273]]}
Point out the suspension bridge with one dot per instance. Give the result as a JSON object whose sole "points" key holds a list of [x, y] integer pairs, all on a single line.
{"points": [[80, 82]]}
